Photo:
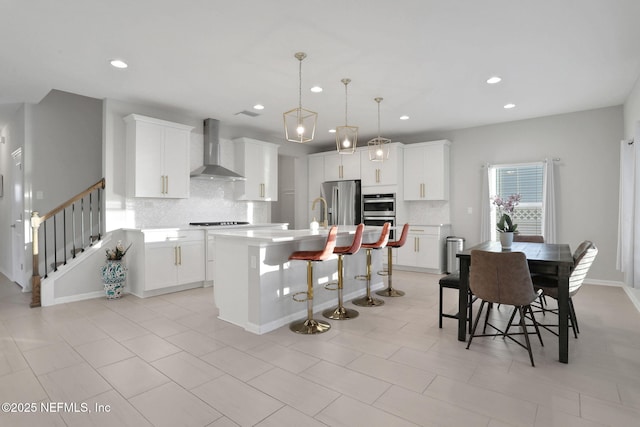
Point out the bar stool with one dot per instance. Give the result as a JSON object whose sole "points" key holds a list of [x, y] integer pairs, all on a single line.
{"points": [[368, 301], [452, 281], [341, 312], [310, 325], [390, 292]]}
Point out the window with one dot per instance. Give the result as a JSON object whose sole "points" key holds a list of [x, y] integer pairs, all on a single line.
{"points": [[524, 179]]}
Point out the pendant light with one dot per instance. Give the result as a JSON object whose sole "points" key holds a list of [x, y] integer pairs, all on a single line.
{"points": [[346, 136], [300, 123], [379, 146]]}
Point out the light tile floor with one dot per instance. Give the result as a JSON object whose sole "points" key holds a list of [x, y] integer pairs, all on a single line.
{"points": [[168, 361]]}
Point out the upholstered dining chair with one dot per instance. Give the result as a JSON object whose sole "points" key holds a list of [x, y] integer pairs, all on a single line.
{"points": [[583, 257], [503, 278]]}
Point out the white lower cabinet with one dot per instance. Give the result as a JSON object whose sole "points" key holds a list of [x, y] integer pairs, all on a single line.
{"points": [[173, 258], [424, 249]]}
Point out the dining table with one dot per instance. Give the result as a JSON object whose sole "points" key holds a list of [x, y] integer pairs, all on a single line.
{"points": [[550, 259]]}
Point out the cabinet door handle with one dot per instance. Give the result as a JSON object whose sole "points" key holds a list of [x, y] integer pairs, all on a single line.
{"points": [[166, 189], [175, 256], [340, 171], [262, 190], [179, 255], [378, 175]]}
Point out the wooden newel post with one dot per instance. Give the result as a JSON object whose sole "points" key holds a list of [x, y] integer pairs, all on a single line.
{"points": [[35, 276]]}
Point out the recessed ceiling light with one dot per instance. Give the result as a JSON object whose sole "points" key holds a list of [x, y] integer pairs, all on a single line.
{"points": [[493, 80], [509, 106], [316, 89], [332, 131], [404, 117], [119, 63], [259, 107]]}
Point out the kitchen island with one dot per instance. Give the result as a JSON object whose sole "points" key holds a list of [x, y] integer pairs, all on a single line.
{"points": [[254, 281]]}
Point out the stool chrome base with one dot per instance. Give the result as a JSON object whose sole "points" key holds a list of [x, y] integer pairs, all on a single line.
{"points": [[390, 292], [310, 327], [340, 313], [368, 301]]}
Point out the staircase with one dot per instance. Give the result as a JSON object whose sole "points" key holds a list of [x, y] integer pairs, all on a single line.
{"points": [[64, 233]]}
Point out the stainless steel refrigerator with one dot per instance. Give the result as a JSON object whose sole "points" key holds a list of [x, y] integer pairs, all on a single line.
{"points": [[344, 202]]}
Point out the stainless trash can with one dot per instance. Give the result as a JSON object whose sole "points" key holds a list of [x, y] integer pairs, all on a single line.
{"points": [[454, 245]]}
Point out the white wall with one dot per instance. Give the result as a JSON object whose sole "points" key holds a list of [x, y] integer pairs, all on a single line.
{"points": [[61, 150], [64, 157], [631, 120], [13, 134], [632, 111], [586, 176]]}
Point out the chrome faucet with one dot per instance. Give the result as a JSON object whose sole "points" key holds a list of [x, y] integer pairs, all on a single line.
{"points": [[325, 222]]}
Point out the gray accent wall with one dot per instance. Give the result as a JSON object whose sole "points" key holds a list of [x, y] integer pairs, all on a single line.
{"points": [[587, 175]]}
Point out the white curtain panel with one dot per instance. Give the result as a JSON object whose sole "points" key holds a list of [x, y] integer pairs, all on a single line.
{"points": [[628, 257], [485, 206], [549, 203]]}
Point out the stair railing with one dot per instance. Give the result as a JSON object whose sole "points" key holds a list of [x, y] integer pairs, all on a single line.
{"points": [[56, 244]]}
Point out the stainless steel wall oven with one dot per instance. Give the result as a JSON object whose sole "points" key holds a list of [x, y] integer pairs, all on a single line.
{"points": [[378, 209]]}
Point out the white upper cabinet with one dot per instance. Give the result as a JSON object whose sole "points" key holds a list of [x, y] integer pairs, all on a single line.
{"points": [[315, 170], [426, 171], [157, 157], [381, 173], [339, 167], [257, 161]]}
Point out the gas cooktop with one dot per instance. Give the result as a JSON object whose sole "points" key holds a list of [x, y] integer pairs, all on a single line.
{"points": [[215, 223]]}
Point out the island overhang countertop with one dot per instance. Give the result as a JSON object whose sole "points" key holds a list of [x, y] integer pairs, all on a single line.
{"points": [[277, 236]]}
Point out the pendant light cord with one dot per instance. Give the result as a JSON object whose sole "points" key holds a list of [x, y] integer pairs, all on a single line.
{"points": [[300, 85], [378, 118]]}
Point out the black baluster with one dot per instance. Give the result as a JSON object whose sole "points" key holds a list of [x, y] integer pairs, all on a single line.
{"points": [[73, 226], [55, 245], [46, 269], [64, 235], [82, 220]]}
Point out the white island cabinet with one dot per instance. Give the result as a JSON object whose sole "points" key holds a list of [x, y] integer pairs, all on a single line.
{"points": [[257, 161], [254, 289], [157, 157]]}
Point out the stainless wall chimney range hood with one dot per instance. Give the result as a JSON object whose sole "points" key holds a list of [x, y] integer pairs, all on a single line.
{"points": [[212, 168]]}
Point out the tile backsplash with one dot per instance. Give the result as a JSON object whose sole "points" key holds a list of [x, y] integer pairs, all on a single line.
{"points": [[210, 200], [428, 212]]}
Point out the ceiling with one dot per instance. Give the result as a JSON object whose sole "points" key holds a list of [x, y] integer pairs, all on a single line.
{"points": [[428, 59]]}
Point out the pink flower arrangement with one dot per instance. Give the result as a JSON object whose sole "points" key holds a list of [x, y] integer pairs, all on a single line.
{"points": [[506, 206]]}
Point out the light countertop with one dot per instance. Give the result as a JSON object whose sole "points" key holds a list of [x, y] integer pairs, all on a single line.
{"points": [[278, 236]]}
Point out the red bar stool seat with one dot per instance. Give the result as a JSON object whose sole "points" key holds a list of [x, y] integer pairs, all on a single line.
{"points": [[310, 325], [341, 312], [390, 292], [368, 300]]}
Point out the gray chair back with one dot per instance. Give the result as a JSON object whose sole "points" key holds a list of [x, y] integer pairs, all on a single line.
{"points": [[501, 277]]}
